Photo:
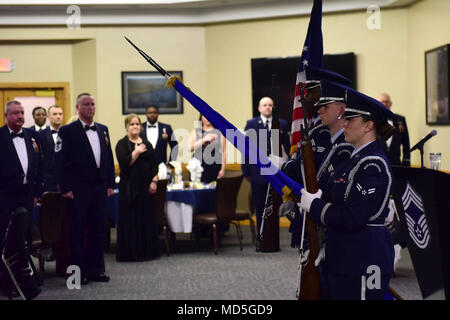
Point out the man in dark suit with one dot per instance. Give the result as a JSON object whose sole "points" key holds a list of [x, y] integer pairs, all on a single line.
{"points": [[259, 128], [397, 147], [159, 135], [48, 138], [20, 170], [40, 117], [85, 174]]}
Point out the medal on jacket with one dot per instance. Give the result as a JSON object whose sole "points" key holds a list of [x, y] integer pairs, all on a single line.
{"points": [[340, 180], [401, 127], [106, 139], [35, 145]]}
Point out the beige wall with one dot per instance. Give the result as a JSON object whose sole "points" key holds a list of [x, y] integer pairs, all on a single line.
{"points": [[215, 61], [37, 61], [428, 28]]}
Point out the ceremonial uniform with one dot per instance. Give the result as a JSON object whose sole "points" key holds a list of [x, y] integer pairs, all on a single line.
{"points": [[161, 141], [354, 204], [87, 169], [353, 208]]}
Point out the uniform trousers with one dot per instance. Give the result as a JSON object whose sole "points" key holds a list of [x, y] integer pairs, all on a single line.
{"points": [[87, 227]]}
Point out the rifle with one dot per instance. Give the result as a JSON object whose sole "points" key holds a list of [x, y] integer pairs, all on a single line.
{"points": [[310, 277]]}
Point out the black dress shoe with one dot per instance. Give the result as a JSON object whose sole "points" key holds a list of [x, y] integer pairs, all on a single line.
{"points": [[84, 281], [99, 278]]}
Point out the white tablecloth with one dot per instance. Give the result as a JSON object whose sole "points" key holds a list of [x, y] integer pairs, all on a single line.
{"points": [[179, 216]]}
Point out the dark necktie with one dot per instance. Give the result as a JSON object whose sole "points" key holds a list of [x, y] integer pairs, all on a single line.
{"points": [[13, 135], [54, 131], [86, 127]]}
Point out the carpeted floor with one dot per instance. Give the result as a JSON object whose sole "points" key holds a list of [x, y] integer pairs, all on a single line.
{"points": [[194, 272]]}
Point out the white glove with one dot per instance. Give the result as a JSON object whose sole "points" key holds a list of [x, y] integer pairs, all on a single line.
{"points": [[391, 213], [320, 256], [304, 257], [307, 198]]}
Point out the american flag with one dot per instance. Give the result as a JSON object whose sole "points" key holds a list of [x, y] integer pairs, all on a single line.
{"points": [[312, 56]]}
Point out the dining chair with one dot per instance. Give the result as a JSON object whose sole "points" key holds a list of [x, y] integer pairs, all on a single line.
{"points": [[227, 189], [160, 200], [50, 220]]}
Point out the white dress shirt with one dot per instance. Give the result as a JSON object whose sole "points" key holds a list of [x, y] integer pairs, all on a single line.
{"points": [[355, 151], [40, 128], [269, 124], [54, 135], [337, 135], [21, 149], [152, 134], [94, 141]]}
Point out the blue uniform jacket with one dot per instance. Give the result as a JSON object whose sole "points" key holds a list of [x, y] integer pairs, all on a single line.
{"points": [[320, 140], [256, 124], [353, 208], [161, 143], [333, 157], [11, 171], [75, 162]]}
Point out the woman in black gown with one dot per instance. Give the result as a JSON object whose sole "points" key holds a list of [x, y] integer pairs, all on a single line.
{"points": [[208, 145], [137, 228]]}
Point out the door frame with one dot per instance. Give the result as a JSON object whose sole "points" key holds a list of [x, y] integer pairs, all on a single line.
{"points": [[65, 86]]}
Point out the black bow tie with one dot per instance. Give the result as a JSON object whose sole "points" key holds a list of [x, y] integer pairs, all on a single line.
{"points": [[13, 135], [152, 126], [86, 127], [56, 131]]}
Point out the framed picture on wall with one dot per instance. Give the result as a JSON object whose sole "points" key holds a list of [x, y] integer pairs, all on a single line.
{"points": [[143, 89], [437, 86]]}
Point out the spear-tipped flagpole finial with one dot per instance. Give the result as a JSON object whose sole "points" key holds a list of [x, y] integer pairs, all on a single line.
{"points": [[150, 60]]}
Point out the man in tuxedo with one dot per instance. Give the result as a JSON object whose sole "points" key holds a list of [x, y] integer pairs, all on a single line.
{"points": [[40, 117], [20, 171], [48, 138], [259, 128], [85, 174], [159, 135], [397, 147]]}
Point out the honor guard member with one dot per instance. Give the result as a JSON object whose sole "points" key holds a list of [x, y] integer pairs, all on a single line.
{"points": [[330, 106], [319, 133], [259, 128], [353, 205], [48, 138], [20, 173], [159, 135], [85, 173], [40, 117]]}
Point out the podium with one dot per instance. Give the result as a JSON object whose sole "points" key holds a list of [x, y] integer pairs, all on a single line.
{"points": [[422, 198]]}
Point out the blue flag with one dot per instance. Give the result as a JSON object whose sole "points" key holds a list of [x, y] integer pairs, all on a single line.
{"points": [[274, 176]]}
